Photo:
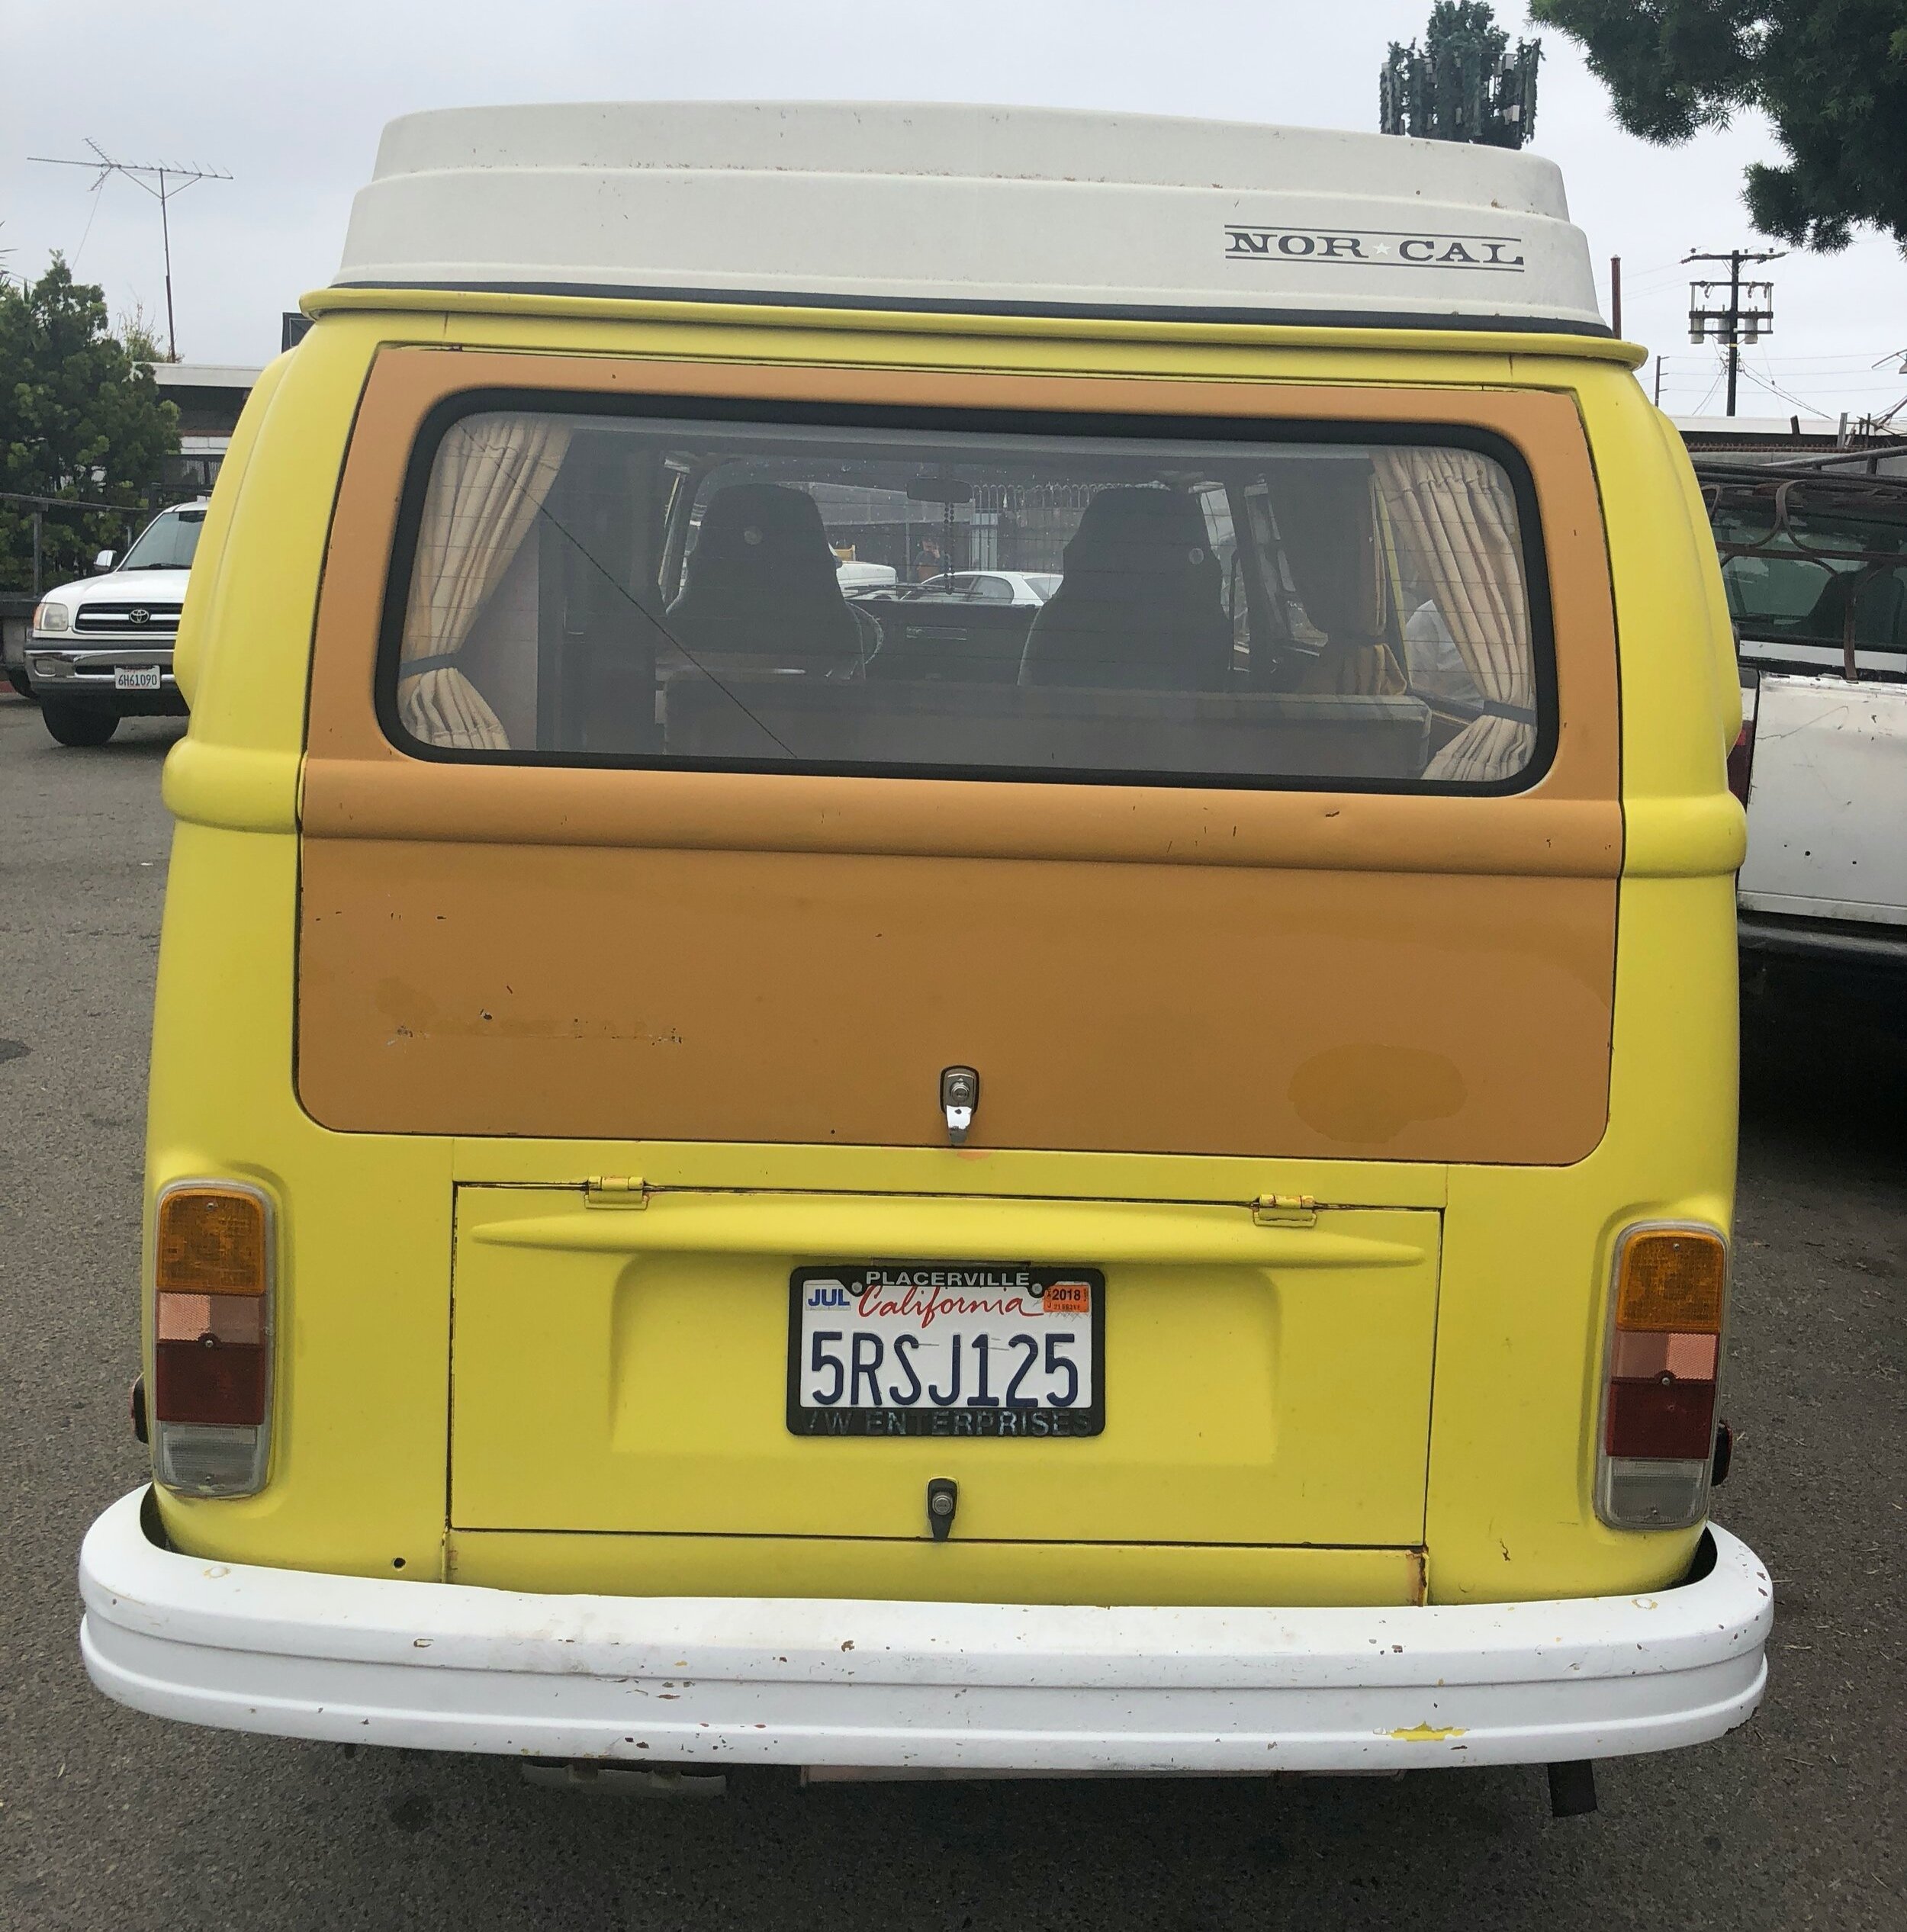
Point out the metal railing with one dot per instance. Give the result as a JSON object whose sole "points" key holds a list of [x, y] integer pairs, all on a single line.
{"points": [[43, 504]]}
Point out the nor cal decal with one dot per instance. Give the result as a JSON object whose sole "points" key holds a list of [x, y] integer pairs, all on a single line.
{"points": [[1376, 248]]}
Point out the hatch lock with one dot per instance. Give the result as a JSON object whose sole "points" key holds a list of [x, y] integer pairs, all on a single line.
{"points": [[943, 1499], [960, 1095]]}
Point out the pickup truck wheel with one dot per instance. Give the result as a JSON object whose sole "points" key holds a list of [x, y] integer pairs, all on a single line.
{"points": [[79, 724], [20, 681]]}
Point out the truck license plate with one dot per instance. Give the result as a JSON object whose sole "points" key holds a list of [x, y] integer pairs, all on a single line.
{"points": [[135, 677], [956, 1348]]}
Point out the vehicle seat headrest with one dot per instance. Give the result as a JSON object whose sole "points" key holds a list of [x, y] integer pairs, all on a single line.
{"points": [[754, 534], [761, 584], [1139, 605], [1139, 533]]}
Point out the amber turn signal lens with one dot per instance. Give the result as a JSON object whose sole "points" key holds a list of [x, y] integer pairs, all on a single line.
{"points": [[1672, 1279], [210, 1241]]}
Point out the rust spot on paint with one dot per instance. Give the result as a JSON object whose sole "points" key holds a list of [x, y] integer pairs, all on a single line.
{"points": [[1419, 1577], [1367, 1095]]}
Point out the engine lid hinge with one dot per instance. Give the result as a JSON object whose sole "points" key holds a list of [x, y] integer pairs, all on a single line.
{"points": [[615, 1190], [1285, 1211]]}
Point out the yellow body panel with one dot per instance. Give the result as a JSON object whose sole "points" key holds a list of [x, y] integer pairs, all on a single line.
{"points": [[587, 1337], [365, 1371], [968, 1570]]}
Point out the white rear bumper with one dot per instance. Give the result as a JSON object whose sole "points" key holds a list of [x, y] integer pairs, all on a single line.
{"points": [[991, 1687]]}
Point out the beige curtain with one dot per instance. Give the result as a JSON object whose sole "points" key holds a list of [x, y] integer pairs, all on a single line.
{"points": [[491, 477], [1453, 509], [1327, 521]]}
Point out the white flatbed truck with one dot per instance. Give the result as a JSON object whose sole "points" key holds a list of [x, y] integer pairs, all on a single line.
{"points": [[1815, 566]]}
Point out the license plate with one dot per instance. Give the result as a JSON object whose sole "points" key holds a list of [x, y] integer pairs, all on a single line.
{"points": [[135, 677], [946, 1349]]}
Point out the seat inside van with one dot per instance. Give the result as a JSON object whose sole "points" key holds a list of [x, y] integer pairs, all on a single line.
{"points": [[761, 585], [1138, 606]]}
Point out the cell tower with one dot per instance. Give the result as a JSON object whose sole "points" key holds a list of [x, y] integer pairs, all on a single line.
{"points": [[1463, 84]]}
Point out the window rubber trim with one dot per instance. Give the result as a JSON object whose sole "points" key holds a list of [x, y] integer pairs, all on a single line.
{"points": [[1054, 424]]}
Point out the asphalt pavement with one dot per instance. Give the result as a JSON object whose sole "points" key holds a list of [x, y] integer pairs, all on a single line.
{"points": [[108, 1818]]}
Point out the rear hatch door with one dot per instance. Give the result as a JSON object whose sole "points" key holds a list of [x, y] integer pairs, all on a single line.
{"points": [[637, 1368]]}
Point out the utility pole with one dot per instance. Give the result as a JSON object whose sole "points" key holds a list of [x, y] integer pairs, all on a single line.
{"points": [[1750, 303], [171, 179], [1615, 295]]}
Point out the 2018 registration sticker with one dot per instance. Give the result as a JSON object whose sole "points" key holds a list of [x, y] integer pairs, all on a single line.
{"points": [[946, 1349]]}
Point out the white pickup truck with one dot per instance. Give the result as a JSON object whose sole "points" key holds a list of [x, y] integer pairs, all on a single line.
{"points": [[1815, 564], [100, 649]]}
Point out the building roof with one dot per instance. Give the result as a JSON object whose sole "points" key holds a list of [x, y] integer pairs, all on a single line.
{"points": [[204, 375], [1760, 428], [1760, 440], [971, 208]]}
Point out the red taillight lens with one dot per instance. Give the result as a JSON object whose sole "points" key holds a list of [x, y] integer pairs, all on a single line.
{"points": [[209, 1267], [1658, 1406], [1665, 1419], [1742, 752], [211, 1382], [208, 1381]]}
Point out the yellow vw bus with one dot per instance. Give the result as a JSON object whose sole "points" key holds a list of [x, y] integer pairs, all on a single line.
{"points": [[1105, 1147]]}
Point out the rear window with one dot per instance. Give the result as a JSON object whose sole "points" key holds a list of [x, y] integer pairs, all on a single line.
{"points": [[646, 590], [1784, 593]]}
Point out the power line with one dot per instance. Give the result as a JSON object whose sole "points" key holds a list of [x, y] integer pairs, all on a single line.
{"points": [[1854, 360], [1644, 280], [1842, 385], [1706, 394], [173, 179], [1775, 389], [86, 233]]}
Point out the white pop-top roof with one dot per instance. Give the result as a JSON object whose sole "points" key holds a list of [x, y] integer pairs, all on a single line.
{"points": [[971, 208]]}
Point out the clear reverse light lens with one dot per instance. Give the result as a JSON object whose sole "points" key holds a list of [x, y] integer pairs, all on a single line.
{"points": [[1643, 1493], [209, 1461]]}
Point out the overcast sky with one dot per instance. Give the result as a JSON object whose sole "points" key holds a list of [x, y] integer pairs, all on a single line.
{"points": [[289, 99]]}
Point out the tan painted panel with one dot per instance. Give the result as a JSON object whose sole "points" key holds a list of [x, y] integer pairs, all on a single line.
{"points": [[693, 956], [481, 989]]}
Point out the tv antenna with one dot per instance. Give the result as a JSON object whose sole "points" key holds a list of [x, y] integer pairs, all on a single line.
{"points": [[171, 179]]}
